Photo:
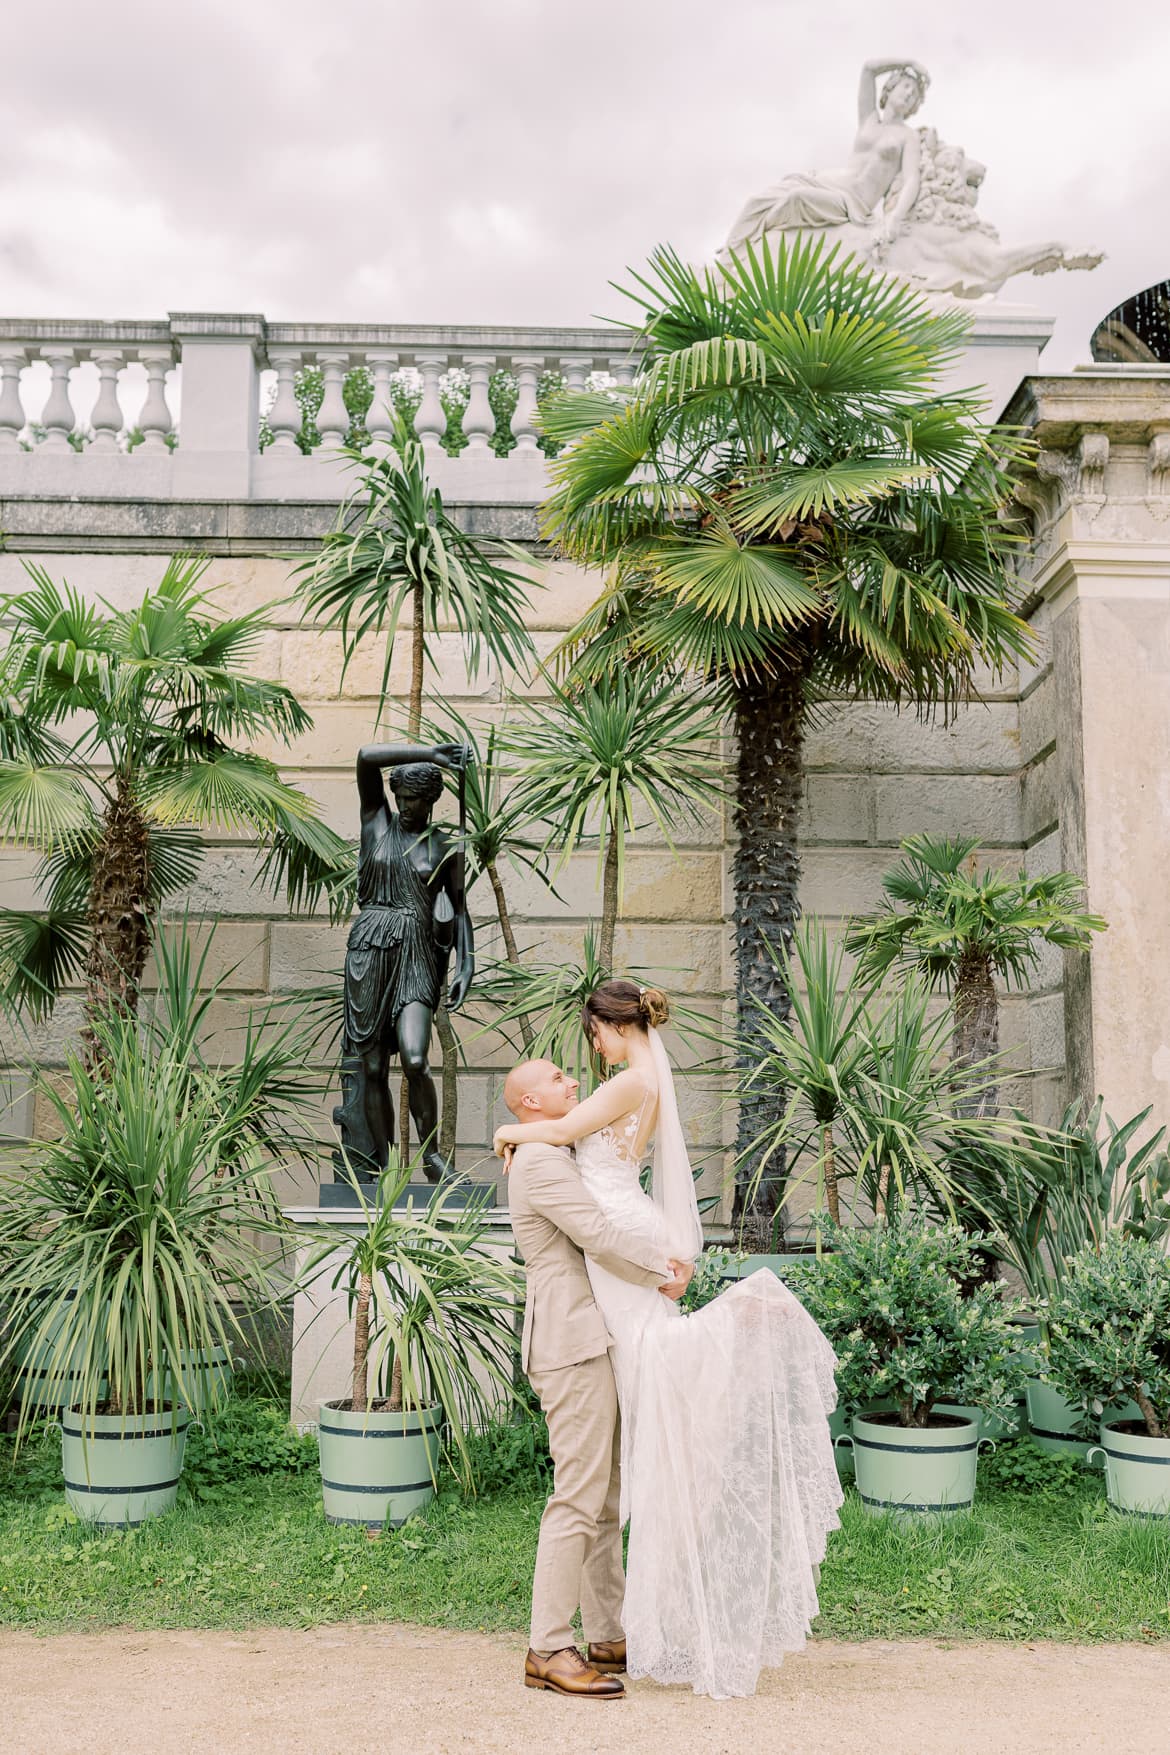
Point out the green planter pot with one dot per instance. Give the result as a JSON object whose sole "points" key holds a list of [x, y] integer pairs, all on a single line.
{"points": [[378, 1468], [121, 1469], [45, 1383], [994, 1426], [914, 1471], [780, 1264], [206, 1380], [842, 1453], [1137, 1468], [1053, 1422]]}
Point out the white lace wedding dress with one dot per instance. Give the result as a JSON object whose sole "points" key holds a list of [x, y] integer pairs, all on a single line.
{"points": [[728, 1478]]}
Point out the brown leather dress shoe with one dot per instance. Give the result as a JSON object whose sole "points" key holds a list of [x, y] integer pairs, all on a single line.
{"points": [[566, 1672], [607, 1655]]}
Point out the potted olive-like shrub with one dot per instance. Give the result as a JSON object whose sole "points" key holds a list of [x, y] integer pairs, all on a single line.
{"points": [[907, 1338], [434, 1333], [131, 1241], [1109, 1338]]}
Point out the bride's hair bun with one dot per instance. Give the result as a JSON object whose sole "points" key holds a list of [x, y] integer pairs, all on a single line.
{"points": [[625, 1004]]}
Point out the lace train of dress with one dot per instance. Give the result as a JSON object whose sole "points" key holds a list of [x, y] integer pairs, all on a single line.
{"points": [[728, 1477]]}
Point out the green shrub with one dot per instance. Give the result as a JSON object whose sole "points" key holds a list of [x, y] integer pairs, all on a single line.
{"points": [[1109, 1329], [1017, 1465], [712, 1272], [252, 1439], [889, 1299]]}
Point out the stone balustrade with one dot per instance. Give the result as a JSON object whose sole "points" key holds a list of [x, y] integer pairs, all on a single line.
{"points": [[205, 405]]}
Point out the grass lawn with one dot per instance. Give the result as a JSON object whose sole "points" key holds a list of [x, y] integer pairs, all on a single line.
{"points": [[1041, 1556]]}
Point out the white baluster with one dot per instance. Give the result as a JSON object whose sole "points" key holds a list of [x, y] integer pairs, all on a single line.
{"points": [[383, 363], [527, 367], [333, 416], [430, 423], [106, 419], [58, 417], [479, 421], [574, 370], [12, 360], [155, 420], [285, 417], [621, 368]]}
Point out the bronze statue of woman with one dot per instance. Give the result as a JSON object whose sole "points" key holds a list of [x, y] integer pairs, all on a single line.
{"points": [[412, 912]]}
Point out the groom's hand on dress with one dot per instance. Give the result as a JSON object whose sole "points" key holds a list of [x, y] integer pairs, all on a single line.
{"points": [[683, 1273]]}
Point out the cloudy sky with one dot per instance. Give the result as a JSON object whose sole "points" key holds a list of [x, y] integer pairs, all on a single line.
{"points": [[501, 161]]}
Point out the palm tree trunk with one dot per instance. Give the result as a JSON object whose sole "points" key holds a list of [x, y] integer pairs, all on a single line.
{"points": [[769, 716], [510, 944], [449, 1107], [609, 900], [974, 1040], [396, 1384], [361, 1347], [119, 907], [975, 1037], [418, 652]]}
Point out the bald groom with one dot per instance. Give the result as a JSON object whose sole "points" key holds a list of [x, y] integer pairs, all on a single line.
{"points": [[565, 1351]]}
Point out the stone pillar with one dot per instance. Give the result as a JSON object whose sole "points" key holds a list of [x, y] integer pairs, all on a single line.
{"points": [[1100, 565], [219, 390]]}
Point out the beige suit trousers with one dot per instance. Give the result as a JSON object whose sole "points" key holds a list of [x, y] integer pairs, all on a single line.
{"points": [[579, 1554]]}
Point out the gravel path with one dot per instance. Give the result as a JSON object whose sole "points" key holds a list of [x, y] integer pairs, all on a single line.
{"points": [[394, 1690]]}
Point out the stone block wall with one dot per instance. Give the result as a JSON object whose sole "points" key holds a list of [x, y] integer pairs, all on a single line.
{"points": [[873, 777]]}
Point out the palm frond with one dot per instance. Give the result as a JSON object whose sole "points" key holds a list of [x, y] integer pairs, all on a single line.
{"points": [[44, 806], [39, 955]]}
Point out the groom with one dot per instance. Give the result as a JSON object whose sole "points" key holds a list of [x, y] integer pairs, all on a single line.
{"points": [[565, 1351]]}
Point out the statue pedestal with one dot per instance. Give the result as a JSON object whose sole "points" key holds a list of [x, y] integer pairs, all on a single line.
{"points": [[322, 1357], [342, 1195]]}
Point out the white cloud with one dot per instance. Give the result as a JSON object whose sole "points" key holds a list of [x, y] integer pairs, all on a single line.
{"points": [[503, 162]]}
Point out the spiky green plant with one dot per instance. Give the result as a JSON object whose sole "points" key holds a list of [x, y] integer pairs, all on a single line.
{"points": [[596, 757], [812, 1060], [434, 1310], [119, 730], [786, 501], [395, 554], [129, 1241], [962, 929]]}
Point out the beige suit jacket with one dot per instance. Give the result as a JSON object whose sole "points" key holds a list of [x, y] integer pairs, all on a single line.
{"points": [[554, 1220]]}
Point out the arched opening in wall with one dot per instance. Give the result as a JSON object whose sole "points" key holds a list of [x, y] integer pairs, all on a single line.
{"points": [[1137, 332]]}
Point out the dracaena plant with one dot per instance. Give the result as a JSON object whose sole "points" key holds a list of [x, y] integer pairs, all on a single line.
{"points": [[131, 1240], [785, 501], [122, 733], [595, 758], [396, 557], [433, 1309]]}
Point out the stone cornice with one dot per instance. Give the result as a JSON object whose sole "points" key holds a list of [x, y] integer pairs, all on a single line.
{"points": [[1128, 407], [1087, 569]]}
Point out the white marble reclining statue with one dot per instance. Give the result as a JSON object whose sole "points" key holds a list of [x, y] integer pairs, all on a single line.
{"points": [[905, 201]]}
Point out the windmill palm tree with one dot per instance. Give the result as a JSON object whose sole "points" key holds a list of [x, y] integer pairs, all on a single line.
{"points": [[962, 929], [787, 504], [120, 735]]}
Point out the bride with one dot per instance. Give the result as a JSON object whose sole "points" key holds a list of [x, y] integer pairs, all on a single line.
{"points": [[728, 1478]]}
